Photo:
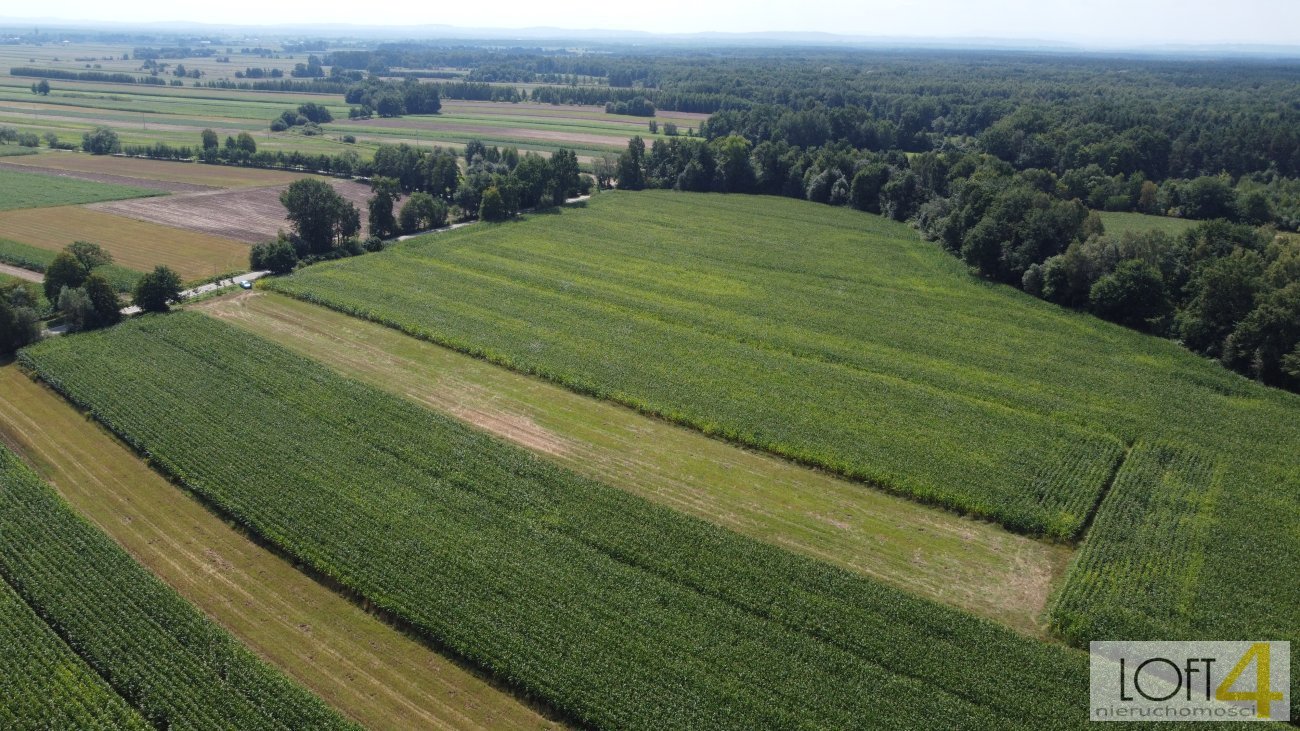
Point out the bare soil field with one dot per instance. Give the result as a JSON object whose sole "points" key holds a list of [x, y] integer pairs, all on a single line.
{"points": [[147, 171], [134, 244], [170, 186], [251, 215], [372, 673]]}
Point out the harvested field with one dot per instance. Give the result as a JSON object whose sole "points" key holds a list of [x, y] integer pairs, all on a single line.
{"points": [[157, 170], [169, 186], [372, 673], [134, 244], [251, 215]]}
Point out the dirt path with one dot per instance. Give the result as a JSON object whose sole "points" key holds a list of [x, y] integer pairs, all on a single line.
{"points": [[965, 563], [366, 669], [21, 273]]}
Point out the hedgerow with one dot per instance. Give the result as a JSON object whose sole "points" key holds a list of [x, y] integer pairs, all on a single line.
{"points": [[615, 612]]}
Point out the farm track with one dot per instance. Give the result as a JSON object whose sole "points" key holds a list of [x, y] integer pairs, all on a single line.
{"points": [[21, 273], [370, 671], [972, 565]]}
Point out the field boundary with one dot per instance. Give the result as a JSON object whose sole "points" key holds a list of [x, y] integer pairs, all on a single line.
{"points": [[393, 621]]}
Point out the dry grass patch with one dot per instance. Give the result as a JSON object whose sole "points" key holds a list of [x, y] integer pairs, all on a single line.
{"points": [[134, 244]]}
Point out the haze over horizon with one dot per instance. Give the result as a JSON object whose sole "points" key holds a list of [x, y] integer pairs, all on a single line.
{"points": [[1104, 23]]}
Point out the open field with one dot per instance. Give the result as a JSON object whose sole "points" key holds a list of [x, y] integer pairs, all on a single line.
{"points": [[153, 172], [615, 611], [29, 262], [374, 674], [176, 116], [134, 244], [1118, 223], [250, 215], [152, 185], [32, 190], [168, 661], [964, 563], [619, 301]]}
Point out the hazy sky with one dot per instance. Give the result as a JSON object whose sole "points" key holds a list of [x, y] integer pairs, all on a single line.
{"points": [[1124, 22]]}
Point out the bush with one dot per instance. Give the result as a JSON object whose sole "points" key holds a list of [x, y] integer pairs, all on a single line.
{"points": [[278, 257]]}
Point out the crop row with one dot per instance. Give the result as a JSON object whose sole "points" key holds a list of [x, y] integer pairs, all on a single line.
{"points": [[44, 685], [774, 376], [842, 340], [616, 612], [1151, 568], [171, 664]]}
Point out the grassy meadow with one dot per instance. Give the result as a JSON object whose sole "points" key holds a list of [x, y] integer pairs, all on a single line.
{"points": [[1118, 222]]}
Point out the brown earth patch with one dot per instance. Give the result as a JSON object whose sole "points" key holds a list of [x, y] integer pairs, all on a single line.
{"points": [[251, 215]]}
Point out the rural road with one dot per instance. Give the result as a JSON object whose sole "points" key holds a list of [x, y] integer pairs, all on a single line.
{"points": [[21, 273], [202, 289]]}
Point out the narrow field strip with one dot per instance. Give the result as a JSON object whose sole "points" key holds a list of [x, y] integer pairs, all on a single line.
{"points": [[136, 245], [162, 656], [22, 189], [617, 612], [374, 674], [968, 564]]}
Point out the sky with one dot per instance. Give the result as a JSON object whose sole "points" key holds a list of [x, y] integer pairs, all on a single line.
{"points": [[1130, 23]]}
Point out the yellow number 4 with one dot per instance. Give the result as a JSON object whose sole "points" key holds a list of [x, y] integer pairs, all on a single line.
{"points": [[1263, 695]]}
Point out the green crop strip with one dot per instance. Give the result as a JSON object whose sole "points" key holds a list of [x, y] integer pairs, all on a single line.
{"points": [[174, 666]]}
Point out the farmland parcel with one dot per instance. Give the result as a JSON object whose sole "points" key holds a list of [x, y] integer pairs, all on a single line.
{"points": [[841, 340], [614, 611]]}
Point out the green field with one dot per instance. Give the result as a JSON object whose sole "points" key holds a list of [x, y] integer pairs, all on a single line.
{"points": [[777, 343], [44, 684], [36, 259], [616, 612], [1120, 223], [799, 311], [970, 564], [176, 116], [33, 190], [160, 655]]}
